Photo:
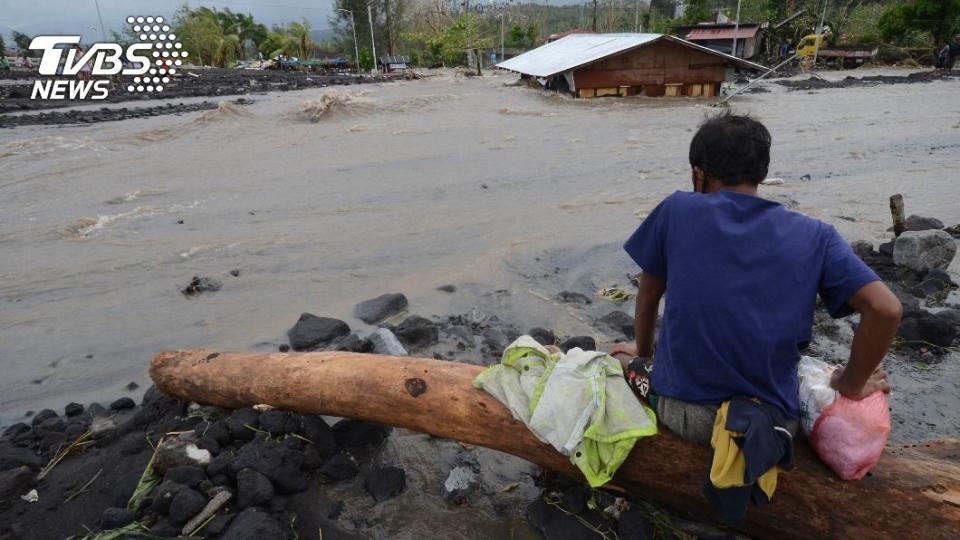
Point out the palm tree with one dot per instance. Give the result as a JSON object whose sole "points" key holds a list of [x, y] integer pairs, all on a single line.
{"points": [[301, 32]]}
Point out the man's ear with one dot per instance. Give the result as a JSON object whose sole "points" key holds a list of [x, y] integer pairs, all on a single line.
{"points": [[699, 180]]}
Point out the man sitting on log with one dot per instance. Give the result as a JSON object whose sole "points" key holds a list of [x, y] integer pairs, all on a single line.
{"points": [[741, 275]]}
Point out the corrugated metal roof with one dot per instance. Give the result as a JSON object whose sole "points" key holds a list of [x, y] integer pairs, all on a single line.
{"points": [[704, 34], [572, 51], [580, 49]]}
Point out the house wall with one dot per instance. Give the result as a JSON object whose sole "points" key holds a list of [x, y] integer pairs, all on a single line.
{"points": [[649, 69]]}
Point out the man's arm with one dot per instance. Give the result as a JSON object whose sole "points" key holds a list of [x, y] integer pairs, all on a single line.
{"points": [[648, 302], [880, 311]]}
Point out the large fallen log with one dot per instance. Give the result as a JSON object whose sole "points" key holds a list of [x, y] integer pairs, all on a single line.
{"points": [[914, 492]]}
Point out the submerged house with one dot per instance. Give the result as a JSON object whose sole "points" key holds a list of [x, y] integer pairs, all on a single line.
{"points": [[594, 65], [719, 37]]}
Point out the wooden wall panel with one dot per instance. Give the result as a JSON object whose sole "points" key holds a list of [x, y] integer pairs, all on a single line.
{"points": [[661, 63]]}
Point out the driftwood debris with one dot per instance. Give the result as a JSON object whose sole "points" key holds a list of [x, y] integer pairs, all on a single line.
{"points": [[914, 492]]}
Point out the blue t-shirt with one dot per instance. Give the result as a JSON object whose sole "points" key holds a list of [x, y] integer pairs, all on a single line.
{"points": [[742, 276]]}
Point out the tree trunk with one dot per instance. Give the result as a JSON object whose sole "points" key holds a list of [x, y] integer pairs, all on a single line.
{"points": [[914, 492]]}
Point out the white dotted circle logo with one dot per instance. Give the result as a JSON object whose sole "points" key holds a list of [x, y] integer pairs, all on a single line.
{"points": [[167, 52]]}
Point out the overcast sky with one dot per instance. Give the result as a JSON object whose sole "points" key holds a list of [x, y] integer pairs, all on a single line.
{"points": [[80, 16]]}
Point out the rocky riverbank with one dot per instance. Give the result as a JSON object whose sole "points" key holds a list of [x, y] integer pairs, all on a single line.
{"points": [[167, 468], [189, 83]]}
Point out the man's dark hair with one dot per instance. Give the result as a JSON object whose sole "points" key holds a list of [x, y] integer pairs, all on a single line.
{"points": [[731, 148]]}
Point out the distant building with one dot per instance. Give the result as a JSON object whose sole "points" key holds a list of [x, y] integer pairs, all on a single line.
{"points": [[390, 64], [719, 37], [560, 35], [594, 65]]}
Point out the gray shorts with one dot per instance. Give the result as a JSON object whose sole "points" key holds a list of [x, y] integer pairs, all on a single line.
{"points": [[694, 422]]}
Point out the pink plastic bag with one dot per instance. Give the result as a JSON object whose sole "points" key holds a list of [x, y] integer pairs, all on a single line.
{"points": [[849, 435]]}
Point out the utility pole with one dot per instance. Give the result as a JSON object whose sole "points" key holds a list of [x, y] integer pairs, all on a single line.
{"points": [[816, 45], [636, 19], [356, 49], [387, 27], [103, 31], [373, 43], [501, 38], [736, 30]]}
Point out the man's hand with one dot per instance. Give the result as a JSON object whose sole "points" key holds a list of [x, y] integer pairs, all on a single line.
{"points": [[628, 348], [877, 381]]}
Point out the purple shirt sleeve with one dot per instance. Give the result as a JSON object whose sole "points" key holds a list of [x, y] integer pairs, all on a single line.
{"points": [[842, 275], [647, 245]]}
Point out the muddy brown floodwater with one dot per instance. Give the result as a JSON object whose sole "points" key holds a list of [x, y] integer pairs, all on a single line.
{"points": [[325, 197]]}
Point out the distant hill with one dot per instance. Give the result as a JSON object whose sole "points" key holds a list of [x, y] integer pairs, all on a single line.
{"points": [[324, 35]]}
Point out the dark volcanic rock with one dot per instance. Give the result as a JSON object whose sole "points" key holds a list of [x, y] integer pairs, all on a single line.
{"points": [[253, 488], [218, 524], [617, 321], [254, 524], [43, 416], [928, 329], [179, 451], [163, 495], [58, 425], [274, 421], [377, 309], [555, 524], [278, 462], [386, 483], [16, 429], [165, 529], [921, 223], [635, 526], [132, 443], [123, 404], [416, 332], [311, 331], [73, 409], [316, 429], [158, 408], [238, 421], [543, 336], [114, 518], [586, 343], [356, 436], [340, 467], [186, 504], [220, 465], [954, 231], [95, 410], [453, 288], [575, 498], [349, 343], [187, 475], [15, 482], [567, 297], [199, 285], [12, 457]]}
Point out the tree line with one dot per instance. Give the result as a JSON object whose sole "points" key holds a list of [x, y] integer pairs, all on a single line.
{"points": [[439, 32]]}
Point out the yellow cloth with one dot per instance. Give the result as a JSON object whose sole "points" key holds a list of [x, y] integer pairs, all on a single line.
{"points": [[729, 465]]}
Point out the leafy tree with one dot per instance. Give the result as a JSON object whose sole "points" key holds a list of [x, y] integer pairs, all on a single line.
{"points": [[938, 18], [200, 34], [697, 11], [3, 46], [300, 32], [21, 40], [366, 59]]}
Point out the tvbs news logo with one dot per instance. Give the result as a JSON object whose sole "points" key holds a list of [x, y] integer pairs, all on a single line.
{"points": [[150, 60]]}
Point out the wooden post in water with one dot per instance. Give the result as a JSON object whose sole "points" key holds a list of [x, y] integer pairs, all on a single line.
{"points": [[896, 210]]}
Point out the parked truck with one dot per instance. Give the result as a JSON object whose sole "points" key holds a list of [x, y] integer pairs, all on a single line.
{"points": [[847, 56]]}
